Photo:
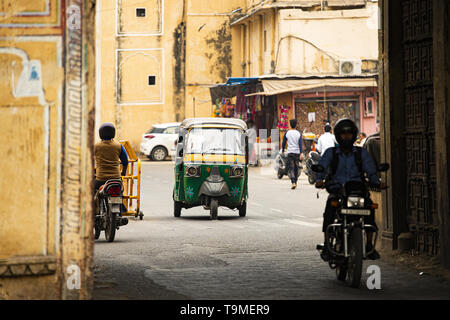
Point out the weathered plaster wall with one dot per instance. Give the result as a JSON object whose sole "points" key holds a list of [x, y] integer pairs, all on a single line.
{"points": [[129, 53], [304, 41], [45, 114], [191, 47]]}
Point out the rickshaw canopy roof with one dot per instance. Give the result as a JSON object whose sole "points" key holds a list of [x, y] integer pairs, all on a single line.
{"points": [[188, 123]]}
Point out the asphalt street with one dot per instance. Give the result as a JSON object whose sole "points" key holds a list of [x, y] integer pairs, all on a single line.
{"points": [[269, 254]]}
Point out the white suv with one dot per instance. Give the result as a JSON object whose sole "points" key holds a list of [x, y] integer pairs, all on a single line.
{"points": [[159, 142]]}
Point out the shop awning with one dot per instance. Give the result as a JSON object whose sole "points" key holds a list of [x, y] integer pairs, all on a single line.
{"points": [[231, 87], [273, 87]]}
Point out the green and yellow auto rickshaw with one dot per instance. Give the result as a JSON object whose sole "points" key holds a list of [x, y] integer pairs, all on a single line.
{"points": [[211, 165]]}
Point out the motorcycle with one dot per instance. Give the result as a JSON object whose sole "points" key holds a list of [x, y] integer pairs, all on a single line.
{"points": [[109, 209], [282, 167], [281, 164], [313, 159], [346, 238]]}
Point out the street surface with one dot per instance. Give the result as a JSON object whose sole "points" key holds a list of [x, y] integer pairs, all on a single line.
{"points": [[269, 254]]}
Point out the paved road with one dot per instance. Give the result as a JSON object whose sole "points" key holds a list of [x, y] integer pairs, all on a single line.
{"points": [[269, 254]]}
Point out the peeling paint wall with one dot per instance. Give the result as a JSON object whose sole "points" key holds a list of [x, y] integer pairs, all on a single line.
{"points": [[304, 41], [45, 112], [208, 51]]}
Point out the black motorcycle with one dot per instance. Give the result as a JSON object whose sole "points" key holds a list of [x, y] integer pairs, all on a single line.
{"points": [[281, 164], [282, 167], [346, 238], [110, 206], [313, 159]]}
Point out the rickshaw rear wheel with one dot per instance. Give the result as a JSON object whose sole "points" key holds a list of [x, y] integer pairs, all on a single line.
{"points": [[176, 209], [213, 207], [243, 209]]}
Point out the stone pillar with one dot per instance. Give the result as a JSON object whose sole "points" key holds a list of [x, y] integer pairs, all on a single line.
{"points": [[441, 59]]}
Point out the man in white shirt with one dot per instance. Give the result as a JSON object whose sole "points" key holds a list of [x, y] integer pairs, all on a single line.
{"points": [[294, 141], [326, 140], [252, 135]]}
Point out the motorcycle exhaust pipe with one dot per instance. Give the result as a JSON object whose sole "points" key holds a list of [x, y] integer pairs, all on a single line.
{"points": [[121, 221]]}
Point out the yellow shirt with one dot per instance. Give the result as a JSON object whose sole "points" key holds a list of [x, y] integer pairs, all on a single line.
{"points": [[107, 159]]}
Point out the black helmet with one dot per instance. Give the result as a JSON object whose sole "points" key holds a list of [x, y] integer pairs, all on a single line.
{"points": [[345, 126], [107, 131], [327, 128]]}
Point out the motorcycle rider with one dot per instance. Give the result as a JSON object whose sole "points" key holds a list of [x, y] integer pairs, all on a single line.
{"points": [[109, 154], [350, 161], [326, 140], [294, 141]]}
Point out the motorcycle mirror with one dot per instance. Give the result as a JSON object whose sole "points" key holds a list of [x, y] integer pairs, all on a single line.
{"points": [[317, 168], [383, 167]]}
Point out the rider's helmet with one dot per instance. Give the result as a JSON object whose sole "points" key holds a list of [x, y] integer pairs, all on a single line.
{"points": [[107, 131], [327, 128], [345, 126]]}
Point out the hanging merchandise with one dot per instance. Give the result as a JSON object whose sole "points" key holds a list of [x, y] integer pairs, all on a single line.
{"points": [[283, 123], [257, 103], [240, 104], [228, 109]]}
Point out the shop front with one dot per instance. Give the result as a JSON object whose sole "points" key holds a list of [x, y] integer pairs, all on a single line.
{"points": [[317, 101], [239, 98], [314, 108]]}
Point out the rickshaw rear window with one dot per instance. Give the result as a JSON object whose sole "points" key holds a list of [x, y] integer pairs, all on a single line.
{"points": [[215, 141]]}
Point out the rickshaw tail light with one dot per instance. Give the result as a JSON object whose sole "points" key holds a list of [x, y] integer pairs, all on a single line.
{"points": [[374, 205], [192, 171], [236, 172]]}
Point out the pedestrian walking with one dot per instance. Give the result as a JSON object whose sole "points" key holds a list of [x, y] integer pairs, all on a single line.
{"points": [[293, 140], [252, 135]]}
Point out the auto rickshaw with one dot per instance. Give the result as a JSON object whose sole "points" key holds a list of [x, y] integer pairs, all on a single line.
{"points": [[211, 165]]}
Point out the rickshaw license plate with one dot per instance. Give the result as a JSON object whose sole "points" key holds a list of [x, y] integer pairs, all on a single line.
{"points": [[115, 200], [359, 212]]}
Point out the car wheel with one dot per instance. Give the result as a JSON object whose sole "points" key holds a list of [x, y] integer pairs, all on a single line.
{"points": [[159, 154]]}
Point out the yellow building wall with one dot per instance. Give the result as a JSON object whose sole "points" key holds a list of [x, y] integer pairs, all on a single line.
{"points": [[300, 42], [314, 42], [129, 50], [254, 43], [32, 88], [188, 51], [208, 52]]}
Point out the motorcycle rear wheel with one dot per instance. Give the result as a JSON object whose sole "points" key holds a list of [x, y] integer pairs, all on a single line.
{"points": [[97, 232], [355, 261], [110, 230]]}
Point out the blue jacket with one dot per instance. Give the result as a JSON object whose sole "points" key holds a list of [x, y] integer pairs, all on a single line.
{"points": [[347, 169]]}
